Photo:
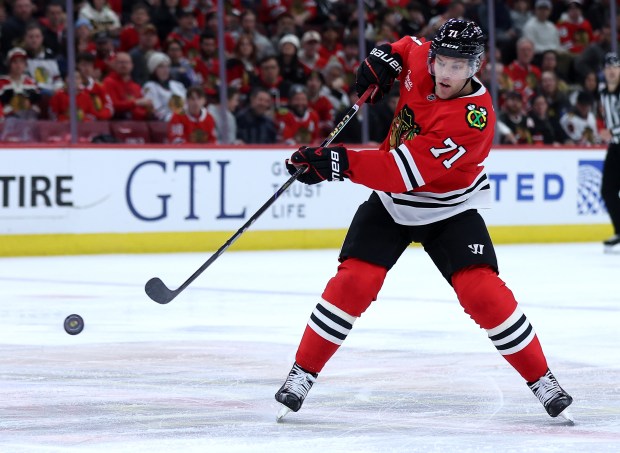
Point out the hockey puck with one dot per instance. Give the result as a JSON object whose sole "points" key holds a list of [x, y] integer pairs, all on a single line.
{"points": [[74, 324]]}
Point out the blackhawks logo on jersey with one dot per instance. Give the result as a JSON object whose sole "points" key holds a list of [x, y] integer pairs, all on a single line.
{"points": [[476, 116], [403, 127]]}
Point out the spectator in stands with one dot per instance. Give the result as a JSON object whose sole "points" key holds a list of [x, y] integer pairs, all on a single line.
{"points": [[181, 69], [83, 37], [387, 28], [255, 123], [211, 24], [299, 125], [538, 121], [284, 25], [270, 79], [321, 103], [130, 33], [513, 116], [104, 53], [556, 100], [202, 8], [575, 31], [591, 59], [290, 67], [19, 93], [414, 19], [505, 31], [54, 29], [89, 107], [42, 66], [309, 56], [230, 134], [127, 98], [549, 62], [248, 27], [579, 123], [331, 41], [103, 109], [101, 16], [207, 64], [520, 13], [306, 12], [187, 33], [147, 44], [349, 59], [455, 10], [166, 95], [540, 30], [588, 84], [241, 68], [524, 75], [13, 29], [334, 76], [164, 17], [194, 124]]}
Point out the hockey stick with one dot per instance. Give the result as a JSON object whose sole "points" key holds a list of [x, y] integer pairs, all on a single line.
{"points": [[160, 293]]}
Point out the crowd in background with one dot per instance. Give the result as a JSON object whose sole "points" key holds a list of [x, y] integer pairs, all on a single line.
{"points": [[290, 65]]}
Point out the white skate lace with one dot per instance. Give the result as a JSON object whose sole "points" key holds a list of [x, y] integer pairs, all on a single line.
{"points": [[546, 388], [299, 383]]}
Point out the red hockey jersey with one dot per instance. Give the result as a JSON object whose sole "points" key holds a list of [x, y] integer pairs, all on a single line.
{"points": [[429, 168], [184, 128]]}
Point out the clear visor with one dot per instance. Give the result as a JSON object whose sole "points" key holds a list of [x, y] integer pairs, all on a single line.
{"points": [[443, 67]]}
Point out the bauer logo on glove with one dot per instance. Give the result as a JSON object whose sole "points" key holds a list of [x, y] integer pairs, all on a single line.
{"points": [[322, 164]]}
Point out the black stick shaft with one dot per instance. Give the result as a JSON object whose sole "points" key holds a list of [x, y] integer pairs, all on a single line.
{"points": [[156, 289]]}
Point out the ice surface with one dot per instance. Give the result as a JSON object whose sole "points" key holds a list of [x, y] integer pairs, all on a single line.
{"points": [[199, 374]]}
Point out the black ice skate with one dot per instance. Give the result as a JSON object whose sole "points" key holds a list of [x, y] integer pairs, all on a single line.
{"points": [[294, 390], [552, 396], [612, 245]]}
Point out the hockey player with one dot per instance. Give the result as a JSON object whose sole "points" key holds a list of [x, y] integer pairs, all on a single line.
{"points": [[610, 187], [428, 183]]}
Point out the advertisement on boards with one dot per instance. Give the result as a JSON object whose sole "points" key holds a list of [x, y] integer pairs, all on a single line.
{"points": [[48, 191]]}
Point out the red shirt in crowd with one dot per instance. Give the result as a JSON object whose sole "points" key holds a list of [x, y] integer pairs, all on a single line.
{"points": [[575, 37], [299, 130], [185, 128], [124, 94], [93, 103]]}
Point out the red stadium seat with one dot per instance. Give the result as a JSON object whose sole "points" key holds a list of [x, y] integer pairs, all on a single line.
{"points": [[159, 131], [91, 129], [130, 131], [54, 131], [19, 131]]}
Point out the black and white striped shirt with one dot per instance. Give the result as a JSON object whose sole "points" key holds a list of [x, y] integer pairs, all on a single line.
{"points": [[611, 109]]}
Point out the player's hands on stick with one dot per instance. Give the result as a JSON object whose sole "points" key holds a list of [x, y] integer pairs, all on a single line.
{"points": [[322, 163], [380, 68]]}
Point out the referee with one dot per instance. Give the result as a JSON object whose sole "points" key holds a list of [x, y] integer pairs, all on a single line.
{"points": [[610, 188]]}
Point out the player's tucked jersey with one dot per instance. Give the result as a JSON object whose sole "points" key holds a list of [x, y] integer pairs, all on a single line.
{"points": [[429, 167]]}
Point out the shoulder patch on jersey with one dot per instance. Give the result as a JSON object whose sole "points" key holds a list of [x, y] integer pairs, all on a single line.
{"points": [[403, 127], [476, 117]]}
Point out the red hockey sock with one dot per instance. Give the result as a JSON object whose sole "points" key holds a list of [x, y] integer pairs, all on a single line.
{"points": [[488, 301], [347, 295]]}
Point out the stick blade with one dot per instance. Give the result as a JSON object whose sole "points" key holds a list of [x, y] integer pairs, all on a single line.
{"points": [[158, 291]]}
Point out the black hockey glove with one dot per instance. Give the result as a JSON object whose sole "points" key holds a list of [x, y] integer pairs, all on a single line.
{"points": [[321, 164], [380, 68]]}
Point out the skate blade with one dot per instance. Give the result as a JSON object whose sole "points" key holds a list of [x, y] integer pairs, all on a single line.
{"points": [[568, 417], [282, 412], [612, 249]]}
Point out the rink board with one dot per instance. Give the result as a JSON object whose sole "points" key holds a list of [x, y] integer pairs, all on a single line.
{"points": [[157, 199]]}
